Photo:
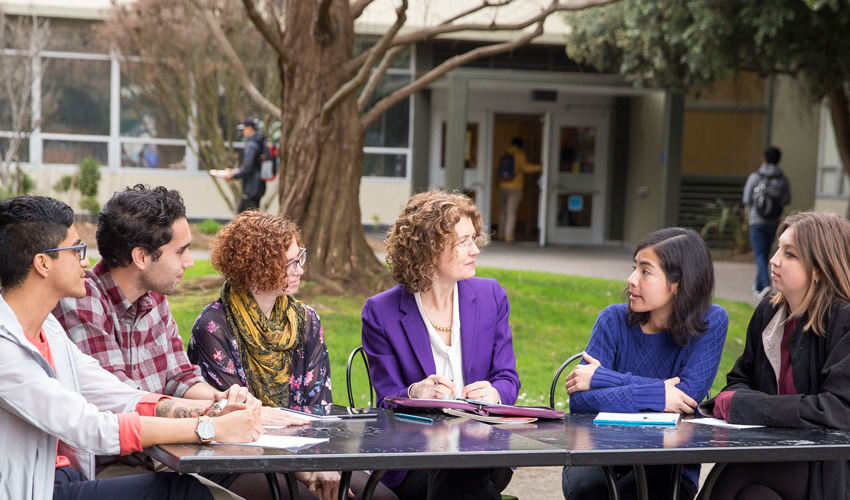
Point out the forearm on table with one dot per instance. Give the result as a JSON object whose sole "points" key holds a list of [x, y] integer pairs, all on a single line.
{"points": [[161, 431], [183, 408]]}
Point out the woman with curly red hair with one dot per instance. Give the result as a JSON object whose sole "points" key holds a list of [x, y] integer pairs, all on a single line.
{"points": [[258, 336], [441, 332]]}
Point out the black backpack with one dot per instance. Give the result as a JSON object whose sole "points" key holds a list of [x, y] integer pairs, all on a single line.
{"points": [[506, 168], [768, 195]]}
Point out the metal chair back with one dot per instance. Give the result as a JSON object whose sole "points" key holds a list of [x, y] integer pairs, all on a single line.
{"points": [[358, 350]]}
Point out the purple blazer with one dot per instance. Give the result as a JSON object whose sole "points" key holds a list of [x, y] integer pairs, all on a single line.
{"points": [[396, 343]]}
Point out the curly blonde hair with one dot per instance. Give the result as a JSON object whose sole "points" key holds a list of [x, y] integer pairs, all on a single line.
{"points": [[425, 227], [250, 251]]}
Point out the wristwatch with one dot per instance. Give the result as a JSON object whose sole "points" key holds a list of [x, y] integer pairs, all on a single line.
{"points": [[205, 429]]}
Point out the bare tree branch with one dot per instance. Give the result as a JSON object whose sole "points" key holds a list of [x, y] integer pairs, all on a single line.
{"points": [[420, 83], [375, 78], [483, 5], [358, 7], [274, 38], [428, 33], [352, 66], [377, 50], [238, 67]]}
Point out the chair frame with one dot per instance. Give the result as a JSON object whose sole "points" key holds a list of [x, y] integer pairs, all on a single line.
{"points": [[359, 349]]}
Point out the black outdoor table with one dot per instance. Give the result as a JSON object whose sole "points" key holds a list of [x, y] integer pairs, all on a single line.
{"points": [[388, 443], [380, 444], [686, 443]]}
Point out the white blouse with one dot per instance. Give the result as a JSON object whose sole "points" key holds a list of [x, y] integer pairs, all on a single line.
{"points": [[447, 359]]}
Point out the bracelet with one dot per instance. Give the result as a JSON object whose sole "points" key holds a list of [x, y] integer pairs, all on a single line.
{"points": [[408, 390]]}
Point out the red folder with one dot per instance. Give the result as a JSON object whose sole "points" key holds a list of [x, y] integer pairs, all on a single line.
{"points": [[478, 407]]}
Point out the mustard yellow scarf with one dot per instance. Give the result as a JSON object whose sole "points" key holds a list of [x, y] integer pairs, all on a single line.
{"points": [[266, 344]]}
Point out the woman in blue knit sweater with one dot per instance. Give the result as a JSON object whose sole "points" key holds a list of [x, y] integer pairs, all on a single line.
{"points": [[659, 352]]}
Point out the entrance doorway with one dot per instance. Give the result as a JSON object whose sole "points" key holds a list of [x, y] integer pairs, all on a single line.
{"points": [[530, 129], [576, 189]]}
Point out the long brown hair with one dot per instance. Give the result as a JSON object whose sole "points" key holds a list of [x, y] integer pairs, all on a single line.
{"points": [[823, 242]]}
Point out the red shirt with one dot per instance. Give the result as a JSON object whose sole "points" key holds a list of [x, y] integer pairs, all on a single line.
{"points": [[129, 424], [786, 377]]}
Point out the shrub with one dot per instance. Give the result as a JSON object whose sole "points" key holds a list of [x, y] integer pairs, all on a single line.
{"points": [[210, 226]]}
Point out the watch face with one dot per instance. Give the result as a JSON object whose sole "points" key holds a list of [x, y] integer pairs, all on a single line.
{"points": [[206, 430]]}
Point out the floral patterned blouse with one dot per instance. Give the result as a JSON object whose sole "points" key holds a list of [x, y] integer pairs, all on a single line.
{"points": [[213, 347]]}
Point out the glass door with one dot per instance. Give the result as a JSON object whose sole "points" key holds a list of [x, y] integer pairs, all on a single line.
{"points": [[576, 182]]}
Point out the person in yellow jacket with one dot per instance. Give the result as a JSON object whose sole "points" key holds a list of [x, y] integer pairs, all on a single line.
{"points": [[510, 190]]}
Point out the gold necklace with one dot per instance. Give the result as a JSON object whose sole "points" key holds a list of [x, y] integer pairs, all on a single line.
{"points": [[437, 327]]}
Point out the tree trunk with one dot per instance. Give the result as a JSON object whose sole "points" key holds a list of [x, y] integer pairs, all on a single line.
{"points": [[321, 164], [840, 113]]}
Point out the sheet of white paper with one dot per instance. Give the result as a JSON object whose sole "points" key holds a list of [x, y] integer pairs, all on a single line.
{"points": [[642, 418], [282, 442], [720, 423]]}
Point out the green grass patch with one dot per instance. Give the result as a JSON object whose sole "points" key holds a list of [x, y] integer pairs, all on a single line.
{"points": [[551, 318]]}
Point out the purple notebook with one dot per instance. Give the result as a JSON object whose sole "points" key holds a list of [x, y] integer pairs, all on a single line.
{"points": [[479, 407]]}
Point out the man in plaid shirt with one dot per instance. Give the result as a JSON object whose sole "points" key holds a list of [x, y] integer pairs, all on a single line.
{"points": [[124, 321]]}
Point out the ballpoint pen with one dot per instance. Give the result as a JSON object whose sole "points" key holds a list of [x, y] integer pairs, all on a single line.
{"points": [[414, 417]]}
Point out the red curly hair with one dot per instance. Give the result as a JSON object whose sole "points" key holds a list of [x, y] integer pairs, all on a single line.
{"points": [[425, 227], [250, 251]]}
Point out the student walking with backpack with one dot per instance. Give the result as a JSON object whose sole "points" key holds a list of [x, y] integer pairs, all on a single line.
{"points": [[513, 166], [257, 165], [766, 193]]}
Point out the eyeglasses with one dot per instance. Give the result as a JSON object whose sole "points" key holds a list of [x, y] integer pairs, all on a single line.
{"points": [[80, 249], [300, 261], [479, 242]]}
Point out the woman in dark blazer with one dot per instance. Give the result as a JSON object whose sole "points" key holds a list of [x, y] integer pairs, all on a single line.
{"points": [[441, 332], [795, 368]]}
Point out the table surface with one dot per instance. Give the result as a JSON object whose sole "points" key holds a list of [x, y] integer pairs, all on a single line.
{"points": [[387, 443]]}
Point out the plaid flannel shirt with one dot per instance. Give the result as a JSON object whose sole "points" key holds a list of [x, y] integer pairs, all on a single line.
{"points": [[139, 342]]}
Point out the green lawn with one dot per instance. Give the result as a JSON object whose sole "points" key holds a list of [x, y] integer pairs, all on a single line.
{"points": [[551, 317]]}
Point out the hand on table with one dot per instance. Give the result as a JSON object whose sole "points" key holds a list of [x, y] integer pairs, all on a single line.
{"points": [[677, 401], [238, 398], [323, 484], [273, 416], [242, 426], [433, 387], [579, 378], [481, 391]]}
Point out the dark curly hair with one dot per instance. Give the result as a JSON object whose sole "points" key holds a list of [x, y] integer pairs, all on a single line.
{"points": [[137, 217], [29, 225], [685, 259], [250, 251], [424, 228]]}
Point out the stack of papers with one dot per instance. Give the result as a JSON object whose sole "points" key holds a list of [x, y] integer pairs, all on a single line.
{"points": [[643, 418]]}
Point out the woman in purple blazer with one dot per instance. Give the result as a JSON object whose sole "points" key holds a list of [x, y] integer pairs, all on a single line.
{"points": [[440, 332]]}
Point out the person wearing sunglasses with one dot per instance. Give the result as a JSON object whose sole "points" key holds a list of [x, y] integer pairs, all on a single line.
{"points": [[257, 335]]}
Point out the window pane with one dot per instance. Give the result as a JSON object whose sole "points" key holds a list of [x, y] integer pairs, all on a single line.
{"points": [[152, 156], [401, 61], [828, 182], [574, 210], [82, 96], [391, 129], [23, 152], [142, 116], [73, 36], [379, 165], [577, 151], [72, 152]]}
